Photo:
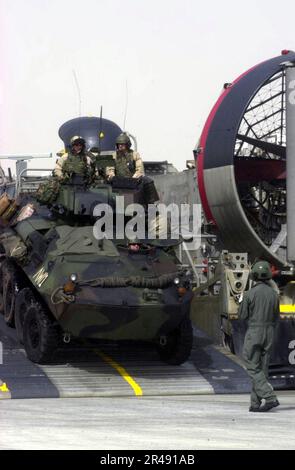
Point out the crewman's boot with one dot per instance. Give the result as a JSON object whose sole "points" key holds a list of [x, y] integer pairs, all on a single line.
{"points": [[254, 408], [269, 405]]}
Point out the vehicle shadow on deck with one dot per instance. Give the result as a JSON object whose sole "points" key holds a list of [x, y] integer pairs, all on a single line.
{"points": [[91, 368]]}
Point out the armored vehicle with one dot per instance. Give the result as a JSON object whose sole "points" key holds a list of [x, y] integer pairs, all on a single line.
{"points": [[60, 280]]}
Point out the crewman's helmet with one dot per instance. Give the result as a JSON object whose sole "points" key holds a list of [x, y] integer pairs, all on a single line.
{"points": [[261, 271], [123, 139], [77, 139]]}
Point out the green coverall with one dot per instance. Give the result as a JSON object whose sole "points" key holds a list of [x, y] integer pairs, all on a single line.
{"points": [[260, 308]]}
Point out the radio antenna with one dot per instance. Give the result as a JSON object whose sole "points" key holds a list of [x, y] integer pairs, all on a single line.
{"points": [[100, 134], [126, 106], [79, 92]]}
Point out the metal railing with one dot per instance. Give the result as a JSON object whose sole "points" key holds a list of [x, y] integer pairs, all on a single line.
{"points": [[2, 178], [6, 184], [19, 184]]}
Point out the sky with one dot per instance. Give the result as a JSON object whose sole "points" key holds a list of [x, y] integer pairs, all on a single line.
{"points": [[162, 62]]}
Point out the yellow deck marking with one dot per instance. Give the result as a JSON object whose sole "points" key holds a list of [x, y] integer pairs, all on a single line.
{"points": [[288, 308], [4, 388], [123, 372]]}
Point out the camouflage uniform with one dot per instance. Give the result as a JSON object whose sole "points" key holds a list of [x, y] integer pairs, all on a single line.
{"points": [[70, 163], [260, 308], [81, 164], [76, 161], [128, 164]]}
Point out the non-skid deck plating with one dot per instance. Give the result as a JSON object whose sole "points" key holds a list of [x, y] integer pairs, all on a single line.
{"points": [[112, 369]]}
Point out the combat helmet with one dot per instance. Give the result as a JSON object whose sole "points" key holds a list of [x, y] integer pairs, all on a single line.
{"points": [[261, 271], [123, 139], [77, 139]]}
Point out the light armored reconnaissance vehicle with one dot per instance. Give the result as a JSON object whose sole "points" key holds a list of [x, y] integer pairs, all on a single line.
{"points": [[59, 281]]}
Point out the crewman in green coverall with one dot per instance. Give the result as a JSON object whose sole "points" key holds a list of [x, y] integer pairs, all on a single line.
{"points": [[260, 308]]}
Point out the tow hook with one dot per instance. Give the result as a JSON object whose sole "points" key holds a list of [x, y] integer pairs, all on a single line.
{"points": [[163, 340], [66, 338]]}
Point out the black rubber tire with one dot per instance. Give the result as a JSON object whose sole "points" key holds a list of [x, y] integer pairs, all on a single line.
{"points": [[179, 344], [40, 334], [11, 284], [22, 303]]}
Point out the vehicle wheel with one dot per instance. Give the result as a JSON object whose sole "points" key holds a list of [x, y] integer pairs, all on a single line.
{"points": [[40, 333], [175, 348], [22, 303], [11, 285]]}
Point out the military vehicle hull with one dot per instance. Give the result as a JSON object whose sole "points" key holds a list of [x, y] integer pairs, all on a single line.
{"points": [[109, 298], [120, 321]]}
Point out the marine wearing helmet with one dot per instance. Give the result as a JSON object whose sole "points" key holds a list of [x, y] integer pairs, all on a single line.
{"points": [[260, 308], [77, 160], [127, 162], [261, 271]]}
